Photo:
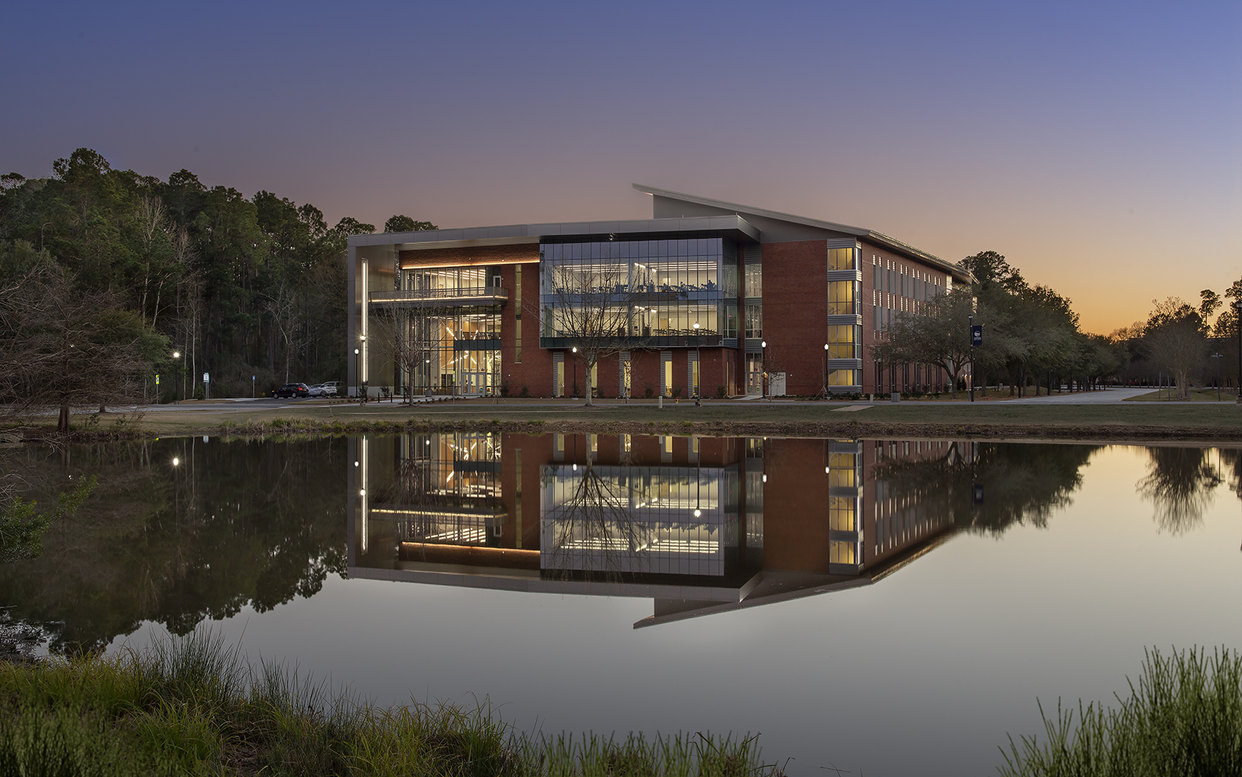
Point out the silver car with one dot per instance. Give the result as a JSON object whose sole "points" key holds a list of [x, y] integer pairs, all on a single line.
{"points": [[325, 389]]}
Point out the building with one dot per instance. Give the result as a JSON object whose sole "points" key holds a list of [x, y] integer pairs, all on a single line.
{"points": [[706, 298]]}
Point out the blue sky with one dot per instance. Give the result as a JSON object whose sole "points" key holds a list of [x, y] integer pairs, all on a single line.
{"points": [[1096, 145]]}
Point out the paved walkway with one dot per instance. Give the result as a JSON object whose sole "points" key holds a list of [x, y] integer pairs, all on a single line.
{"points": [[1105, 397]]}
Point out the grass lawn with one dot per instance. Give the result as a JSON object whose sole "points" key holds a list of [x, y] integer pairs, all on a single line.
{"points": [[1217, 422], [1196, 395]]}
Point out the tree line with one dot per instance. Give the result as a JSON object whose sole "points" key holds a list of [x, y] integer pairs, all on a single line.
{"points": [[1181, 344], [1032, 340], [110, 278]]}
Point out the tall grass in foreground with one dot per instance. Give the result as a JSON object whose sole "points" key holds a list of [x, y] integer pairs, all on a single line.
{"points": [[194, 707], [1183, 717]]}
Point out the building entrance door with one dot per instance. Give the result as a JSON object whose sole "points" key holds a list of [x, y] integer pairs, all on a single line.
{"points": [[754, 374]]}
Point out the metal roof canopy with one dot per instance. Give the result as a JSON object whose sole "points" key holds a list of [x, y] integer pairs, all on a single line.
{"points": [[862, 232]]}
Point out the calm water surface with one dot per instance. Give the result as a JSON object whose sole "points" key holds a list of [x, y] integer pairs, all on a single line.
{"points": [[883, 607]]}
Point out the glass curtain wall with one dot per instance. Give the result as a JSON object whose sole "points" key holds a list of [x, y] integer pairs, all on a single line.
{"points": [[660, 289], [450, 348]]}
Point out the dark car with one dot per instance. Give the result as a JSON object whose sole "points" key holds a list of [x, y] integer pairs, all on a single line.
{"points": [[292, 390]]}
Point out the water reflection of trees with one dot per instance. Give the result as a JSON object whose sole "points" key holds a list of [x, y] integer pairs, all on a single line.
{"points": [[1179, 483], [988, 487], [1233, 459], [230, 526]]}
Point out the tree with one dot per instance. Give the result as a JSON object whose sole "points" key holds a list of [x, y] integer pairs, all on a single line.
{"points": [[1174, 340], [66, 347], [413, 333], [401, 223], [939, 336], [588, 306], [989, 269]]}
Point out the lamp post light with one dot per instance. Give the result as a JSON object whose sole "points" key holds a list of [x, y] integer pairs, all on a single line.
{"points": [[1237, 325], [358, 371], [1217, 357], [824, 388], [971, 332], [177, 379], [763, 373], [698, 364], [573, 367], [361, 352]]}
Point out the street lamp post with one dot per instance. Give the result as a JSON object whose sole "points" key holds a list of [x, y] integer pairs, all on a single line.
{"points": [[698, 365], [177, 379], [823, 389], [1218, 357], [971, 332], [763, 373], [1237, 325], [573, 368], [358, 372]]}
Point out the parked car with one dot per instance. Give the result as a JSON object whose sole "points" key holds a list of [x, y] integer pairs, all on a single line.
{"points": [[325, 389], [292, 390]]}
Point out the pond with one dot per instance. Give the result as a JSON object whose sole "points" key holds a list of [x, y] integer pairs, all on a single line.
{"points": [[874, 606]]}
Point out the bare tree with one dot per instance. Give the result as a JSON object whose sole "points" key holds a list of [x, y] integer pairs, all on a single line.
{"points": [[412, 333], [62, 347], [159, 254], [286, 311], [590, 307], [189, 303]]}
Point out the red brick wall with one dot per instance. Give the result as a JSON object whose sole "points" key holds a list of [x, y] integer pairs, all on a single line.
{"points": [[795, 312], [890, 380]]}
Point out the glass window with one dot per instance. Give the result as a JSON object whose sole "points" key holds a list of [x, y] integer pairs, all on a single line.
{"points": [[730, 280], [843, 342], [841, 259], [754, 280], [844, 378], [754, 319], [841, 297]]}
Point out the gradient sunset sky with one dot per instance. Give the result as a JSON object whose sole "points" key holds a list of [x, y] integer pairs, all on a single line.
{"points": [[1097, 145]]}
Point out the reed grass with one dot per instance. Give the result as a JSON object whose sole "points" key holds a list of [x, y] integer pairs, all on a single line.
{"points": [[193, 706], [1182, 717]]}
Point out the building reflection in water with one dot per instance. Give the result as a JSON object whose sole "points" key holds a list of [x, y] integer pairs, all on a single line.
{"points": [[697, 524]]}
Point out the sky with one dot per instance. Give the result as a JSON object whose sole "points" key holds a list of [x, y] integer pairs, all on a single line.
{"points": [[1097, 145]]}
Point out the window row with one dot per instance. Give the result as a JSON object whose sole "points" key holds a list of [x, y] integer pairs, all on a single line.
{"points": [[710, 247]]}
